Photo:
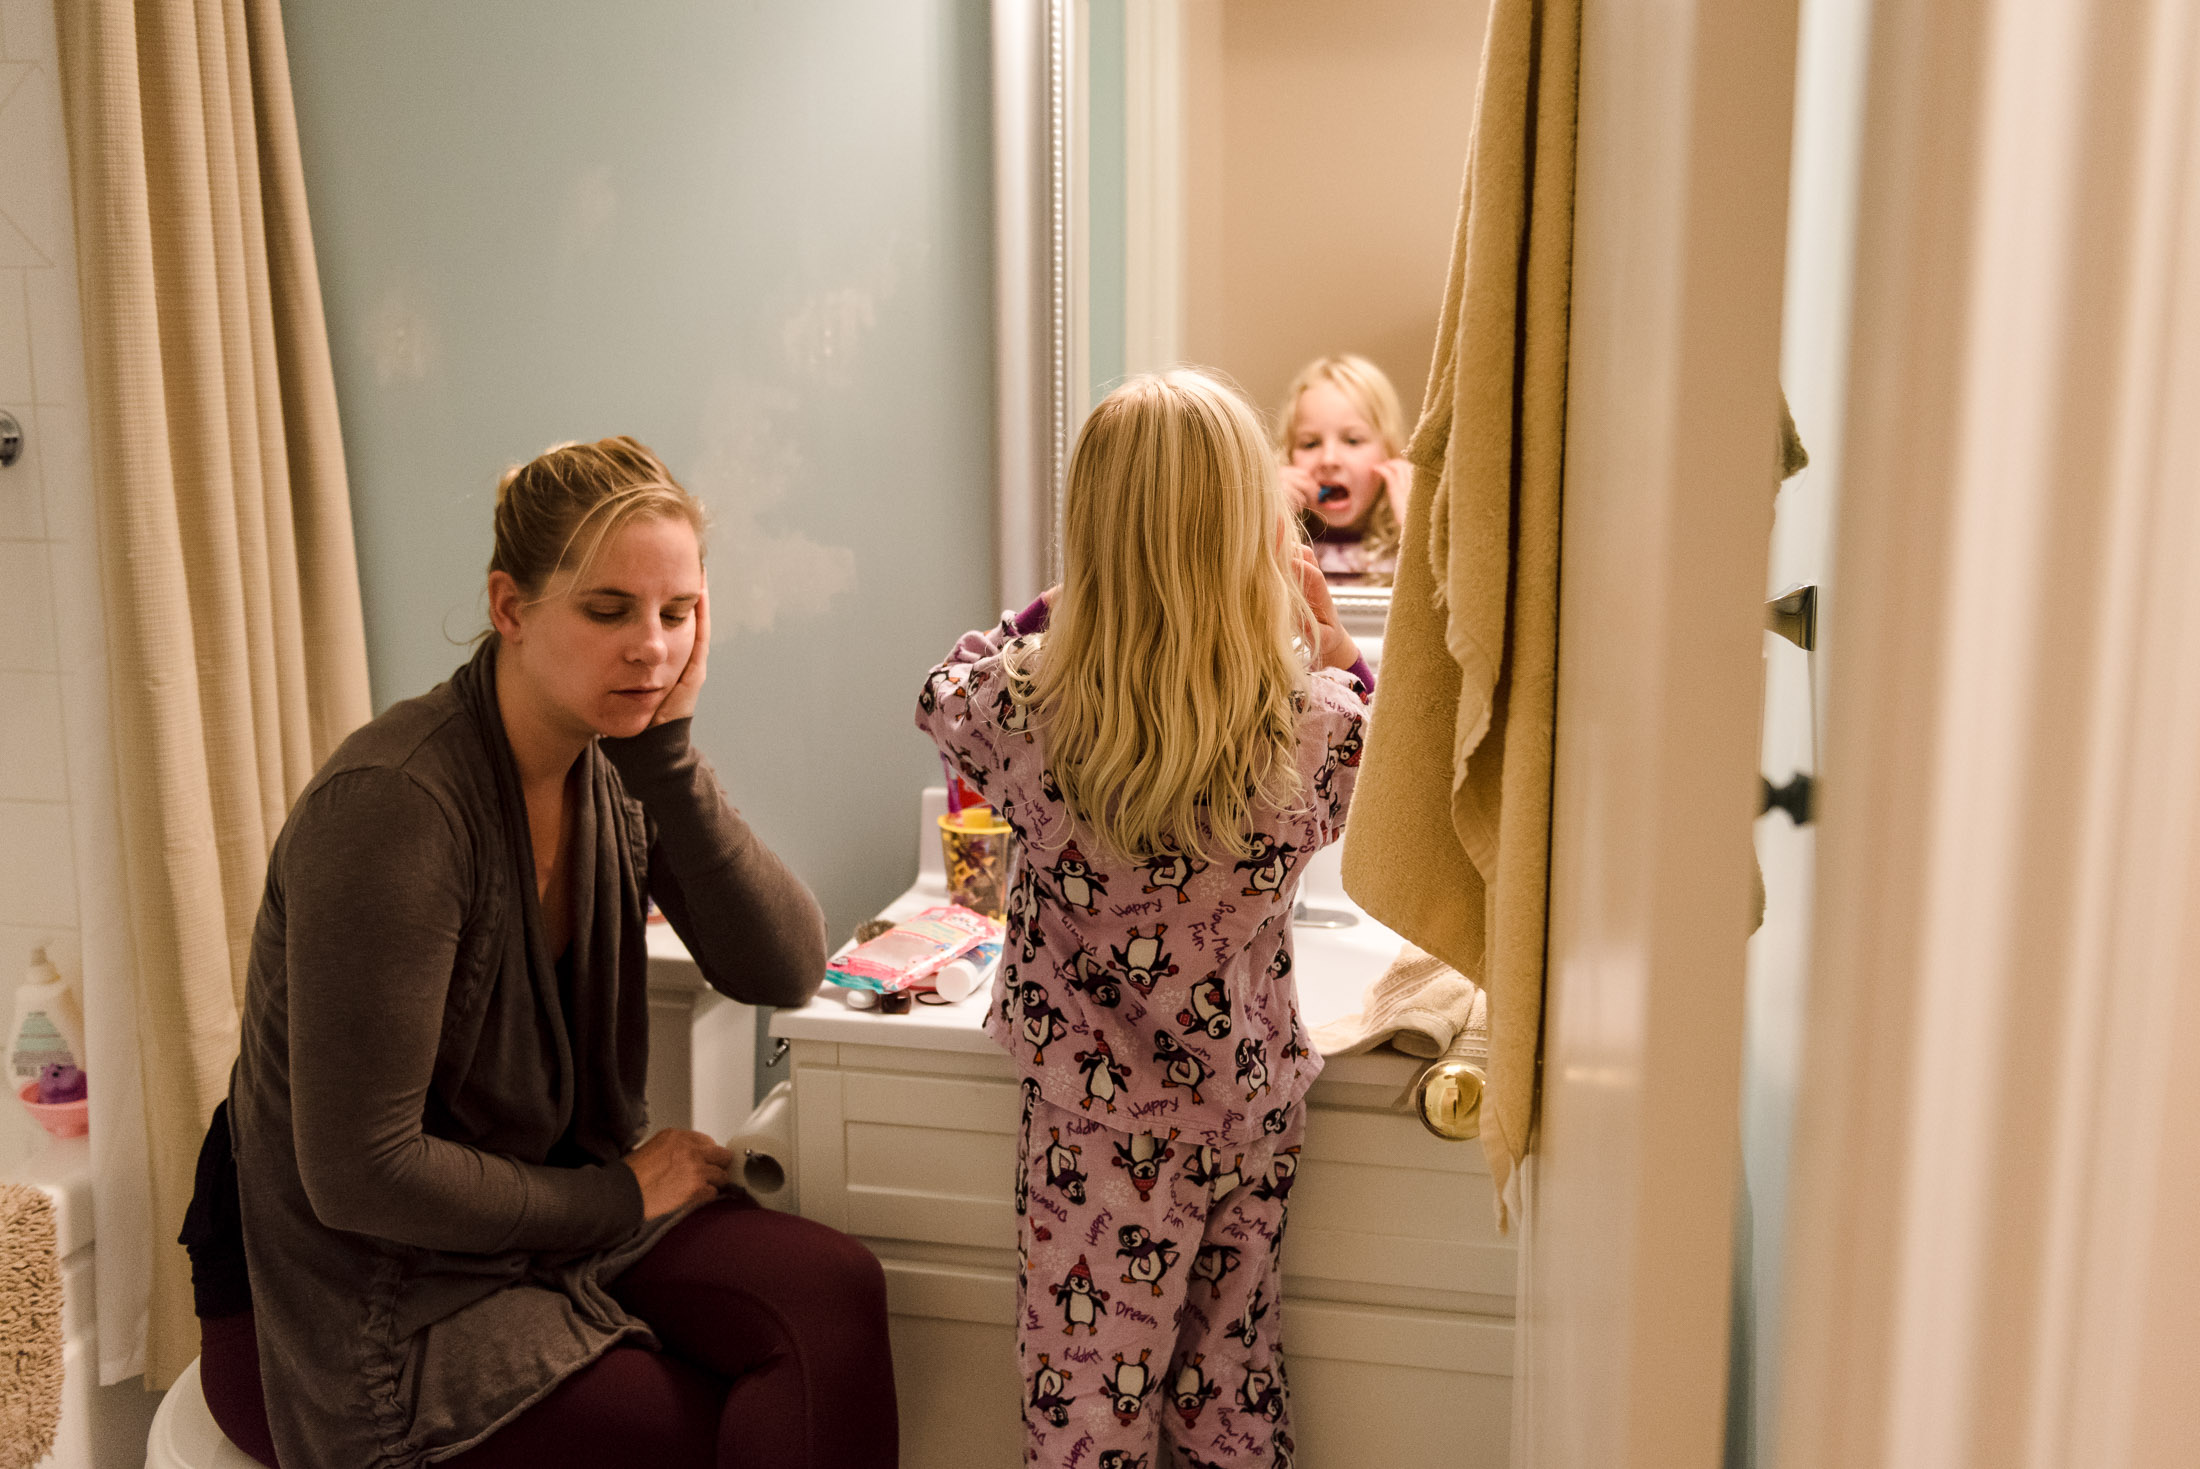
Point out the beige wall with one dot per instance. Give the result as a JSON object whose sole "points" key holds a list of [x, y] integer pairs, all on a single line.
{"points": [[1324, 152]]}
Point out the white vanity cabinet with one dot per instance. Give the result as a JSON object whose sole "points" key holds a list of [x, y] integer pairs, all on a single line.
{"points": [[1398, 1291]]}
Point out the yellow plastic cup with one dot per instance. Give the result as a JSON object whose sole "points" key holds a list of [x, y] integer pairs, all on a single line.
{"points": [[976, 845]]}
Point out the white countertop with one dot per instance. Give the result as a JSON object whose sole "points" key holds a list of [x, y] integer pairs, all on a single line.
{"points": [[1333, 969]]}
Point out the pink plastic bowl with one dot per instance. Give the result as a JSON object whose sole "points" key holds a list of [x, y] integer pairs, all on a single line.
{"points": [[62, 1119]]}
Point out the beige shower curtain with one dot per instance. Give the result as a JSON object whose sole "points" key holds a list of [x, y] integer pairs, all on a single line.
{"points": [[236, 649]]}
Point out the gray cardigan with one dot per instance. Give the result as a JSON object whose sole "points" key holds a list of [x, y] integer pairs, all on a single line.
{"points": [[428, 1150]]}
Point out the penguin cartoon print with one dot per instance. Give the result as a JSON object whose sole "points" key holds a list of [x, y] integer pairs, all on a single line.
{"points": [[1180, 1066], [1252, 1067], [1076, 883], [1141, 1156], [1050, 1395], [1104, 1076], [1347, 750], [1207, 1011], [1023, 917], [1261, 1394], [1205, 1170], [1168, 871], [1030, 1088], [1214, 1264], [1142, 959], [1190, 1390], [1130, 1385], [1267, 865], [1283, 1171], [1082, 1302], [1011, 713], [1090, 978], [1246, 1329], [1150, 1259], [1040, 1024], [1063, 1174]]}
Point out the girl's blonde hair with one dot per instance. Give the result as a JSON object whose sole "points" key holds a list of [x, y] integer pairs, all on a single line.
{"points": [[556, 511], [1367, 388], [1168, 683]]}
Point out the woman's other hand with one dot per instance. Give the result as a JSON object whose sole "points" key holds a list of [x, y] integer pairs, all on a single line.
{"points": [[676, 1168], [1397, 478], [1337, 649], [1306, 491], [680, 700]]}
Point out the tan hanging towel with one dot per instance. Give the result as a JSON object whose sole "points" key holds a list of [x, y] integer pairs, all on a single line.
{"points": [[1449, 837], [30, 1327]]}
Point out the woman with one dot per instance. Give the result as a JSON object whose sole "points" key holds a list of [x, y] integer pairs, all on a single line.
{"points": [[1340, 437], [453, 1249]]}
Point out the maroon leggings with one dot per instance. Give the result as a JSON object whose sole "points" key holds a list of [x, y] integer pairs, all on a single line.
{"points": [[774, 1329]]}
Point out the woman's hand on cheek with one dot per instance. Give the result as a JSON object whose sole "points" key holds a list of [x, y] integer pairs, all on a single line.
{"points": [[680, 700], [676, 1168]]}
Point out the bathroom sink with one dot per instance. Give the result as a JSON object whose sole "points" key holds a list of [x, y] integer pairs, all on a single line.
{"points": [[1333, 966]]}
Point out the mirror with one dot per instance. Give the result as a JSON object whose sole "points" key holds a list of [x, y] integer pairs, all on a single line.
{"points": [[1257, 186]]}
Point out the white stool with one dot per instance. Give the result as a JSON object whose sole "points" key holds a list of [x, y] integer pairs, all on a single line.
{"points": [[185, 1435]]}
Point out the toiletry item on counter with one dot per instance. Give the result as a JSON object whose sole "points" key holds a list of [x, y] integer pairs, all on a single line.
{"points": [[46, 1050], [978, 848], [907, 955], [959, 979]]}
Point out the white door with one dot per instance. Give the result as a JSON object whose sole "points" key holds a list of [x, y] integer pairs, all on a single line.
{"points": [[1671, 431]]}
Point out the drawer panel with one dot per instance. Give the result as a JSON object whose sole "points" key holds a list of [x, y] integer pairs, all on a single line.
{"points": [[959, 1103], [944, 1219], [950, 1292], [1399, 1260], [1391, 1337], [930, 1160], [1378, 1202], [1354, 1135]]}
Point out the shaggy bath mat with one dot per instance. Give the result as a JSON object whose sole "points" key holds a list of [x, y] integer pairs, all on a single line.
{"points": [[30, 1327]]}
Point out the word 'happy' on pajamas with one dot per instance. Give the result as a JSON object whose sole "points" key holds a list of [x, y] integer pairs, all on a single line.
{"points": [[1146, 1302]]}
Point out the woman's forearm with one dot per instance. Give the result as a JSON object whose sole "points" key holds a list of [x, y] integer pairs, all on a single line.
{"points": [[752, 925]]}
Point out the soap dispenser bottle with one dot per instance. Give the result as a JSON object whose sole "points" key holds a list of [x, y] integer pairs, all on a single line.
{"points": [[48, 1035]]}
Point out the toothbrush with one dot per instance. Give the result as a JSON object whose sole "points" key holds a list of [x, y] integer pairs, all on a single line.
{"points": [[954, 787]]}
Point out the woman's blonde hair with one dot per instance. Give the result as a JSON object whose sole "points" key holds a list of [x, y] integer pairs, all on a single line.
{"points": [[1367, 388], [556, 511], [1168, 681]]}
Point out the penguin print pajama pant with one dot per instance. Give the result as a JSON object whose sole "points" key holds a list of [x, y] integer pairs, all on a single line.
{"points": [[1148, 1320]]}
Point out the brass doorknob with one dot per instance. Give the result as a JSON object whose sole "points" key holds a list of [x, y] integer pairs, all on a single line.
{"points": [[1449, 1098]]}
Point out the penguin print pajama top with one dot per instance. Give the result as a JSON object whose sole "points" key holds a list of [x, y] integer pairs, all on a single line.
{"points": [[1150, 1009]]}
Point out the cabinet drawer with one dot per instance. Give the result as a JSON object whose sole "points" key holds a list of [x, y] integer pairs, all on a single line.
{"points": [[1380, 1207]]}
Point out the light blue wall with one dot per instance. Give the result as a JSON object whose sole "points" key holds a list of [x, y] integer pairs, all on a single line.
{"points": [[755, 235], [1106, 178]]}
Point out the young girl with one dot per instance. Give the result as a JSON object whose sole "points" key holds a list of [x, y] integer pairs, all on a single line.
{"points": [[1339, 435], [1168, 763]]}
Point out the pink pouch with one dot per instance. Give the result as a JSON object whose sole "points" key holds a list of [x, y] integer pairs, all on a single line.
{"points": [[913, 950]]}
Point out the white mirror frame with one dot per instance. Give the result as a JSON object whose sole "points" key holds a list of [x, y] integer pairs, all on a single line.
{"points": [[1041, 324], [1032, 56]]}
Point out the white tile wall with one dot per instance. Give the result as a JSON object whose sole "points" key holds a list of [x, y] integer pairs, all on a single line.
{"points": [[48, 564]]}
